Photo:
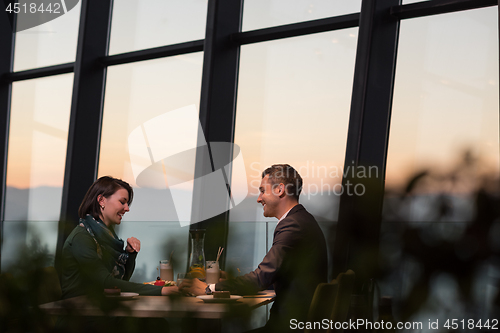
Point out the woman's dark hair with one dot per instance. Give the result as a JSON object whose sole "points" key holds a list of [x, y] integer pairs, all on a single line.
{"points": [[105, 186]]}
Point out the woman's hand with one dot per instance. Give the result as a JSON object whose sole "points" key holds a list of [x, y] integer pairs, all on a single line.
{"points": [[133, 245], [172, 290], [223, 276]]}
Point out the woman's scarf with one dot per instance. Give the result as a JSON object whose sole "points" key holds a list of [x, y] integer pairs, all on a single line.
{"points": [[108, 242]]}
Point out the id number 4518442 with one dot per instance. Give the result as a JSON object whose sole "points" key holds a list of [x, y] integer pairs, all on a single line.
{"points": [[454, 324], [26, 8]]}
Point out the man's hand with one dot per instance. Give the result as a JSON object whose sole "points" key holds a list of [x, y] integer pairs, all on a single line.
{"points": [[194, 286], [133, 245]]}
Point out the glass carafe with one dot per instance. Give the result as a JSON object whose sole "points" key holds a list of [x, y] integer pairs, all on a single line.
{"points": [[196, 265]]}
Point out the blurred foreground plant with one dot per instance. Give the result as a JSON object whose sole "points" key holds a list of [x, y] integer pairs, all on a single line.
{"points": [[21, 290]]}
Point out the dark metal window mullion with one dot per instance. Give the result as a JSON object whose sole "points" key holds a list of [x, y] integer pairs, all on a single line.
{"points": [[296, 29], [427, 8], [86, 112], [7, 38], [217, 109], [41, 72], [358, 228]]}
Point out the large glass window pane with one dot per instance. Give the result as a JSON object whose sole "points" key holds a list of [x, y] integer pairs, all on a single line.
{"points": [[259, 14], [47, 44], [440, 218], [293, 107], [145, 24], [148, 114], [35, 167]]}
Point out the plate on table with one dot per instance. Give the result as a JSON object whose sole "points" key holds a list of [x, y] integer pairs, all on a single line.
{"points": [[124, 296], [211, 299], [260, 294]]}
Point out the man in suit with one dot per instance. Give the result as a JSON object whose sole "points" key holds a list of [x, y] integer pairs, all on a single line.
{"points": [[297, 260]]}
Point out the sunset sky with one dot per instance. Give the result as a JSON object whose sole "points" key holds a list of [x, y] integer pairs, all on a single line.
{"points": [[294, 94], [293, 105]]}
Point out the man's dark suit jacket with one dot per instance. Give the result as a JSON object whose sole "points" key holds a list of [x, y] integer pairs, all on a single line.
{"points": [[294, 266]]}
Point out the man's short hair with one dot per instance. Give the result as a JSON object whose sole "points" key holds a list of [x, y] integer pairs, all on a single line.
{"points": [[286, 174]]}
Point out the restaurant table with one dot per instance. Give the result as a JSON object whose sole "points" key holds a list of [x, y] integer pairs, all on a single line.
{"points": [[157, 306]]}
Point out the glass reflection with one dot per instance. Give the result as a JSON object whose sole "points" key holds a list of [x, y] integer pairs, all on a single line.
{"points": [[442, 190], [36, 159], [138, 97], [444, 130], [293, 107], [48, 44], [145, 24], [158, 239], [136, 94], [259, 14]]}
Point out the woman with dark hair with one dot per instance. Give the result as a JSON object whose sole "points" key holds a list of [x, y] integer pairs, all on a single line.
{"points": [[93, 257]]}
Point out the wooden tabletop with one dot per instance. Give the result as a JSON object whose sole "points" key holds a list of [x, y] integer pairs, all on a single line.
{"points": [[157, 306]]}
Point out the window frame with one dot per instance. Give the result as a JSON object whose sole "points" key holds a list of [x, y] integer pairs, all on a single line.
{"points": [[378, 24]]}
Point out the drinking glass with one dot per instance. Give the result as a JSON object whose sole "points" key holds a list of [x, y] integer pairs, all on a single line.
{"points": [[180, 278], [213, 272], [197, 257], [166, 270]]}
